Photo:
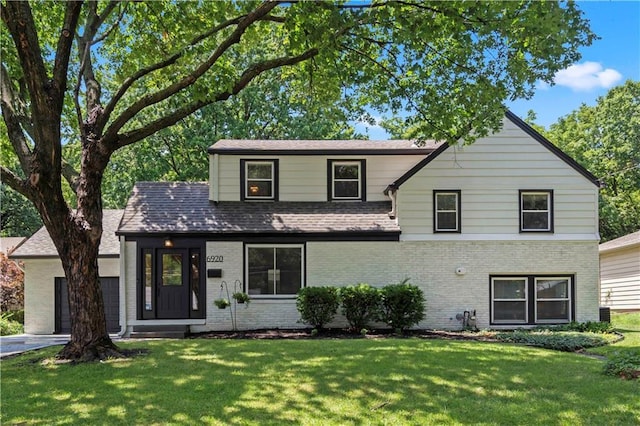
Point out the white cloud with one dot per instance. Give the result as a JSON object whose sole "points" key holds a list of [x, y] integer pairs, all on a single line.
{"points": [[587, 76]]}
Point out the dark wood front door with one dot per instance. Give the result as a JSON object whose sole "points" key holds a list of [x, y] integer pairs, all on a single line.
{"points": [[173, 284]]}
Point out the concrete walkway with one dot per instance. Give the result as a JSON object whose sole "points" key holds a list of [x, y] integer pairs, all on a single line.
{"points": [[16, 344]]}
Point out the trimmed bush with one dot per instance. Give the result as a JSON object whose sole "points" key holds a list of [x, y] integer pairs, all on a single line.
{"points": [[589, 327], [317, 305], [401, 305], [360, 305]]}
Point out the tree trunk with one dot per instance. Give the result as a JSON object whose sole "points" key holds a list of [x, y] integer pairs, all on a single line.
{"points": [[79, 255]]}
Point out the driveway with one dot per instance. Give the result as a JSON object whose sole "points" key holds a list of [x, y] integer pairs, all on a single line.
{"points": [[11, 345]]}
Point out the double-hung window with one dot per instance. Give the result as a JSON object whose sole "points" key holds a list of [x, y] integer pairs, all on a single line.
{"points": [[446, 211], [259, 179], [531, 299], [346, 180], [536, 211], [274, 270]]}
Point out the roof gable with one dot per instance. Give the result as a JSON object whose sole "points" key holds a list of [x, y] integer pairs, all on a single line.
{"points": [[625, 241], [530, 131]]}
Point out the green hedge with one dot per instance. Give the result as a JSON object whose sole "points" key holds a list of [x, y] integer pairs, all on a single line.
{"points": [[401, 306], [317, 305], [360, 305]]}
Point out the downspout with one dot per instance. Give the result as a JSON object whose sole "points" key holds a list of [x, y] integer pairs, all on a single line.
{"points": [[123, 288], [391, 192]]}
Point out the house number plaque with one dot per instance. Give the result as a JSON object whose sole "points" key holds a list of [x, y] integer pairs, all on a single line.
{"points": [[215, 259]]}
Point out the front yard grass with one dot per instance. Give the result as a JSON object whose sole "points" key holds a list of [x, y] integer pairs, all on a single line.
{"points": [[325, 381], [629, 325]]}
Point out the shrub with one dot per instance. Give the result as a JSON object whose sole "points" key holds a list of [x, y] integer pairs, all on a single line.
{"points": [[317, 305], [623, 364], [589, 327], [11, 284], [401, 305], [566, 341], [360, 304], [8, 326]]}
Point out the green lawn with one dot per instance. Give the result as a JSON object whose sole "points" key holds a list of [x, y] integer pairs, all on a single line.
{"points": [[629, 325], [360, 381]]}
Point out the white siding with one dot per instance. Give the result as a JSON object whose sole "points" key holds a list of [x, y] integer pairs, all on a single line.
{"points": [[490, 173], [39, 291], [304, 178], [620, 278]]}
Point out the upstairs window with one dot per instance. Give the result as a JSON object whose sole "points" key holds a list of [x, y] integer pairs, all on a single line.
{"points": [[446, 211], [259, 179], [346, 180], [536, 211]]}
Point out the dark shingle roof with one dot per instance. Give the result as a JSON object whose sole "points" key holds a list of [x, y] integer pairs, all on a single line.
{"points": [[624, 241], [182, 207], [327, 147], [41, 245]]}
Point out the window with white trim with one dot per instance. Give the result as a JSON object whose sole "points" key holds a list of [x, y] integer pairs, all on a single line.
{"points": [[446, 211], [274, 270], [531, 299], [346, 181], [259, 179], [536, 211]]}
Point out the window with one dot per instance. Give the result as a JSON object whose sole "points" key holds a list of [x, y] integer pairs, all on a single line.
{"points": [[531, 299], [274, 270], [259, 179], [346, 180], [536, 211], [446, 211]]}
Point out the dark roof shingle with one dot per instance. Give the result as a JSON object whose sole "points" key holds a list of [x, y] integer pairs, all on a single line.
{"points": [[41, 245], [182, 207]]}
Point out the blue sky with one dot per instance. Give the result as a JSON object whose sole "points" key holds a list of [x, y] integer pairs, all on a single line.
{"points": [[608, 62]]}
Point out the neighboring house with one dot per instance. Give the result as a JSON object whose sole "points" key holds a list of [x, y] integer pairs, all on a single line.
{"points": [[620, 273], [506, 227], [45, 289]]}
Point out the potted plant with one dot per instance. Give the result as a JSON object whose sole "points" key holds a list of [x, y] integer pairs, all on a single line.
{"points": [[221, 303], [241, 297]]}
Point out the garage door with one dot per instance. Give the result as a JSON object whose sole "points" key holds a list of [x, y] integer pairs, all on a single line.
{"points": [[110, 295]]}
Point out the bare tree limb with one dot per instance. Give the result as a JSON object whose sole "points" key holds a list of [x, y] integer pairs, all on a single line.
{"points": [[191, 78], [16, 120]]}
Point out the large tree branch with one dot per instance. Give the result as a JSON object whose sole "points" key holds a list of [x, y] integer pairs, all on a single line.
{"points": [[14, 181], [63, 51], [246, 77], [15, 119], [243, 24]]}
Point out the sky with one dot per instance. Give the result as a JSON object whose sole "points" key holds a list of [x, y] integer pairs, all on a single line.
{"points": [[608, 62]]}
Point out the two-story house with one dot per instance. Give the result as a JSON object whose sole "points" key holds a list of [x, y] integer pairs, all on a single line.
{"points": [[506, 227]]}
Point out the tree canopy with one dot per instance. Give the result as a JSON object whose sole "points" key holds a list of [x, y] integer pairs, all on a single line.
{"points": [[109, 74], [605, 138]]}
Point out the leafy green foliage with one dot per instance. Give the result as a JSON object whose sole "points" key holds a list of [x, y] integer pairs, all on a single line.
{"points": [[18, 216], [604, 139], [8, 325], [317, 305], [401, 305], [623, 364], [566, 341], [588, 327], [359, 304]]}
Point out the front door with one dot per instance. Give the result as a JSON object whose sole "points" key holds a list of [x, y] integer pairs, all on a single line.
{"points": [[172, 286]]}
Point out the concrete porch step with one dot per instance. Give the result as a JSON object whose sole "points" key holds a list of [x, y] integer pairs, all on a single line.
{"points": [[159, 332]]}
